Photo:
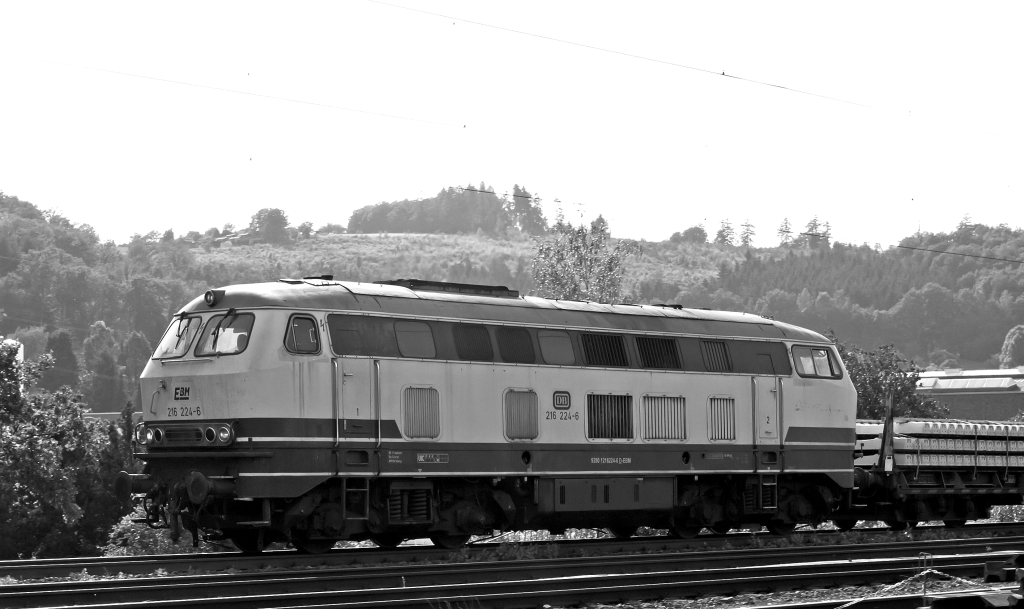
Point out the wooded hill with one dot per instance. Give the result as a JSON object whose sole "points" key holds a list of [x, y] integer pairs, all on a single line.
{"points": [[58, 275]]}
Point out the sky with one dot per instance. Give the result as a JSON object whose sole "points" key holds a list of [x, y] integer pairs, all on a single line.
{"points": [[880, 118]]}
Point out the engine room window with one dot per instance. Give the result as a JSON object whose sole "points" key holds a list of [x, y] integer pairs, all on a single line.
{"points": [[178, 338], [421, 412], [415, 339], [658, 353], [521, 415], [556, 347], [609, 417], [225, 334], [515, 346], [604, 350], [816, 363], [472, 343], [302, 336], [362, 335]]}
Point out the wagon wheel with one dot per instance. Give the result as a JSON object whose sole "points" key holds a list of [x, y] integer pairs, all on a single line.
{"points": [[845, 524], [313, 546], [621, 532], [449, 542], [685, 531], [249, 541], [782, 529], [386, 540], [722, 527]]}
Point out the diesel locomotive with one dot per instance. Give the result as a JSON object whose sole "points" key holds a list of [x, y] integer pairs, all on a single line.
{"points": [[313, 410]]}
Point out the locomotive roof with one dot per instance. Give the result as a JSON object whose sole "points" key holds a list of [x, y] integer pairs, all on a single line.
{"points": [[322, 294]]}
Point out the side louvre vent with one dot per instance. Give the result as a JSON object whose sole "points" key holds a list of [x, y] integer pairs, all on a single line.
{"points": [[664, 418], [421, 413], [610, 417], [604, 350], [716, 356], [721, 419], [658, 353], [521, 415]]}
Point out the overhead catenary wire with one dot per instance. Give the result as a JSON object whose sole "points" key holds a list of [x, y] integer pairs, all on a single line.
{"points": [[251, 93], [623, 54], [923, 249]]}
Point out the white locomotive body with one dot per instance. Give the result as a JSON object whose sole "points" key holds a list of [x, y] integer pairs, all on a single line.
{"points": [[316, 410]]}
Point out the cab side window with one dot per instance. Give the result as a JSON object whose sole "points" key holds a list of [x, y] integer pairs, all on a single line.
{"points": [[302, 336], [816, 362]]}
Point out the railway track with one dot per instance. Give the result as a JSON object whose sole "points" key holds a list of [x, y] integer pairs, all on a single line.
{"points": [[563, 581], [287, 559]]}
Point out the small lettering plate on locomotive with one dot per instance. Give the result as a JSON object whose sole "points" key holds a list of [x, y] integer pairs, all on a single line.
{"points": [[562, 400], [431, 457], [183, 392]]}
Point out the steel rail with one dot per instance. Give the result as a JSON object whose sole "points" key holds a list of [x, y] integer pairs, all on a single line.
{"points": [[500, 585], [67, 592], [136, 565]]}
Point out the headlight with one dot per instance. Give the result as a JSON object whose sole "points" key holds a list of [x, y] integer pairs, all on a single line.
{"points": [[225, 435], [148, 439]]}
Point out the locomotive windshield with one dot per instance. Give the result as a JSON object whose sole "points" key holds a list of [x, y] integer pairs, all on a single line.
{"points": [[178, 337], [225, 334]]}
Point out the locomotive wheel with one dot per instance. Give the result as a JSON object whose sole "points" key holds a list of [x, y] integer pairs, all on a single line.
{"points": [[386, 540], [954, 524], [621, 532], [721, 527], [782, 529], [313, 546], [897, 525], [449, 542], [685, 531], [248, 541], [845, 524]]}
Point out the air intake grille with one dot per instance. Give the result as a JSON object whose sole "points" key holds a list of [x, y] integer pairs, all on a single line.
{"points": [[716, 356], [610, 417], [664, 418], [658, 353], [604, 350], [721, 419], [412, 505], [521, 415], [421, 413]]}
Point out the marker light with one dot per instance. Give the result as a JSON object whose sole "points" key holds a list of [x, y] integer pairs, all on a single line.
{"points": [[224, 434], [149, 437]]}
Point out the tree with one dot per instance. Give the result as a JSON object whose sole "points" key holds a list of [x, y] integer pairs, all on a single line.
{"points": [[105, 392], [785, 232], [269, 225], [305, 229], [525, 214], [726, 234], [101, 339], [1012, 353], [65, 365], [57, 467], [579, 263], [135, 354], [747, 234], [883, 372], [694, 234]]}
